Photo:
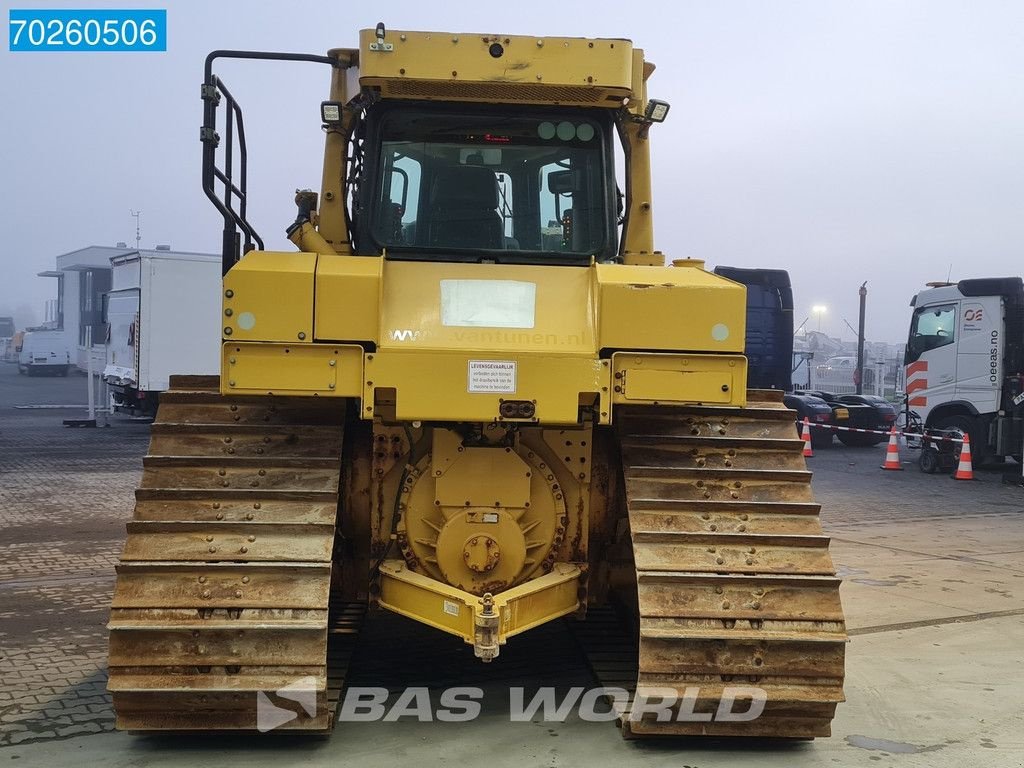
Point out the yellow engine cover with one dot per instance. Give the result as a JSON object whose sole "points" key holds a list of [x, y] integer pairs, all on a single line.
{"points": [[443, 342]]}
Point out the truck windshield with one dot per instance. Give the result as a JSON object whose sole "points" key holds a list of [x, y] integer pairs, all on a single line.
{"points": [[527, 187]]}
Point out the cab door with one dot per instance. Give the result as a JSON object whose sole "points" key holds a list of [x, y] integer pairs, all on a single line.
{"points": [[980, 353], [931, 356]]}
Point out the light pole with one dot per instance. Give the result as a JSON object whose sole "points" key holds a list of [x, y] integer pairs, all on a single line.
{"points": [[819, 310], [859, 380]]}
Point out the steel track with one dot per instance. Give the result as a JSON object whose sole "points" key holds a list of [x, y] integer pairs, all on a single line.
{"points": [[223, 588], [734, 582]]}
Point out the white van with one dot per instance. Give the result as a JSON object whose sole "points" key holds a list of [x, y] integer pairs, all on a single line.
{"points": [[44, 352]]}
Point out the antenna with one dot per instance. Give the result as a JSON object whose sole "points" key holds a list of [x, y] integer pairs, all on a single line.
{"points": [[950, 273], [138, 236]]}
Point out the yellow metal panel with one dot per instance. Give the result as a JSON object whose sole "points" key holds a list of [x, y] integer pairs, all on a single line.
{"points": [[652, 378], [669, 308], [446, 608], [327, 370], [434, 385], [428, 601], [462, 67], [481, 477], [268, 296], [538, 601], [347, 298], [428, 305]]}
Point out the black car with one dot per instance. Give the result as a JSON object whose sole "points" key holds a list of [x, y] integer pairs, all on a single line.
{"points": [[816, 411], [864, 412]]}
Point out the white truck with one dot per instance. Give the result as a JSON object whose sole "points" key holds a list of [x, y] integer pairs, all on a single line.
{"points": [[163, 316], [965, 362], [44, 352]]}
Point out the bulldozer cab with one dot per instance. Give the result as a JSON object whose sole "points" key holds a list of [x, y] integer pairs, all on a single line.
{"points": [[508, 159]]}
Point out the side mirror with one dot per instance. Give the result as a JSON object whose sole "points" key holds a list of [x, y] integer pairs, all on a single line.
{"points": [[398, 173], [563, 182], [104, 308]]}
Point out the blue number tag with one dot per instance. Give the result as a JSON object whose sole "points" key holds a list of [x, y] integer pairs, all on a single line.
{"points": [[87, 30]]}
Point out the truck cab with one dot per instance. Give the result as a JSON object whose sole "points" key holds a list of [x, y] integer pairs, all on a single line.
{"points": [[965, 361]]}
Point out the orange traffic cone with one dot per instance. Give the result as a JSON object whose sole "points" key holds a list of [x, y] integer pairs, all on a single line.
{"points": [[806, 437], [892, 453], [965, 470]]}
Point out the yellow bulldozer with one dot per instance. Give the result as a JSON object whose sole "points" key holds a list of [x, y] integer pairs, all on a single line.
{"points": [[475, 396]]}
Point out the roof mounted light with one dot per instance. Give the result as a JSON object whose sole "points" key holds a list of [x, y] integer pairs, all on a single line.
{"points": [[330, 111], [656, 111]]}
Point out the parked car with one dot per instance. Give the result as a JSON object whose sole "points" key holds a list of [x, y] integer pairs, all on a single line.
{"points": [[864, 412], [816, 411]]}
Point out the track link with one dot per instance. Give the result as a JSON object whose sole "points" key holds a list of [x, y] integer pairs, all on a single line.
{"points": [[223, 591], [735, 584]]}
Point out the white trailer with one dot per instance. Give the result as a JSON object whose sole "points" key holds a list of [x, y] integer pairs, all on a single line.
{"points": [[43, 352], [965, 362], [163, 316]]}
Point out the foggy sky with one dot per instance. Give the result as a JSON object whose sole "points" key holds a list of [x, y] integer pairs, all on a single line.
{"points": [[842, 141]]}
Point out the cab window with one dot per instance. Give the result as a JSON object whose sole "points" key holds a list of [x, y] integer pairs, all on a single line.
{"points": [[932, 327], [530, 186]]}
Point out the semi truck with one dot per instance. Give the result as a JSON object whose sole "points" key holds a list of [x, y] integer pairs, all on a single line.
{"points": [[769, 339], [965, 362], [163, 317]]}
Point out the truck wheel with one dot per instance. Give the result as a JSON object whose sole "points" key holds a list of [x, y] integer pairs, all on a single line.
{"points": [[968, 426]]}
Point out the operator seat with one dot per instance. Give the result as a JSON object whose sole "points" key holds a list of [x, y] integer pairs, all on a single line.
{"points": [[464, 201]]}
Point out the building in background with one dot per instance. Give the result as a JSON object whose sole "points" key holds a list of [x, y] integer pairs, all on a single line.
{"points": [[83, 278], [826, 363]]}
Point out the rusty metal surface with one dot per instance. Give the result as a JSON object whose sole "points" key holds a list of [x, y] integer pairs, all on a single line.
{"points": [[735, 584], [224, 584]]}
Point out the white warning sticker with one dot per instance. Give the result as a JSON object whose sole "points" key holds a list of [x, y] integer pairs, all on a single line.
{"points": [[451, 608], [492, 376]]}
